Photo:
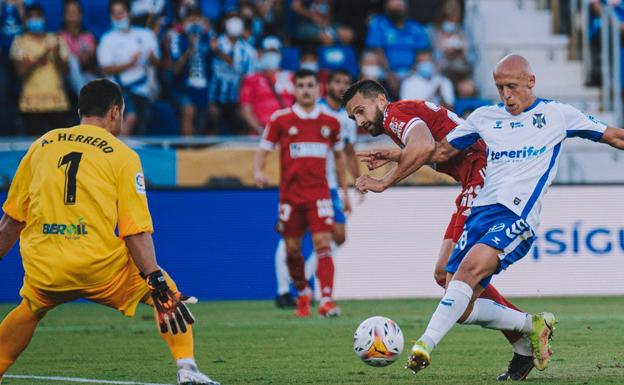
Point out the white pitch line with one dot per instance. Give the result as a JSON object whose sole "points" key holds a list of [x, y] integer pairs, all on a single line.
{"points": [[81, 380]]}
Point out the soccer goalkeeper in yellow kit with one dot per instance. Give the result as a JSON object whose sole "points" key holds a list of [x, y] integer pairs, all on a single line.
{"points": [[72, 189]]}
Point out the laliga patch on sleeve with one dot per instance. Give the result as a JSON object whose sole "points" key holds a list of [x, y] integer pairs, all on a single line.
{"points": [[140, 183]]}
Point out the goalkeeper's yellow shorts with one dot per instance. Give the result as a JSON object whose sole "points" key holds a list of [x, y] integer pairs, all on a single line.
{"points": [[123, 292]]}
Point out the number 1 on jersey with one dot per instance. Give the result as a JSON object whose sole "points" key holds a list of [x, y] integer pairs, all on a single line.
{"points": [[72, 160]]}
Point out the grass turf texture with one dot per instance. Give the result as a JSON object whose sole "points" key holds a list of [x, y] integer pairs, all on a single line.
{"points": [[255, 343]]}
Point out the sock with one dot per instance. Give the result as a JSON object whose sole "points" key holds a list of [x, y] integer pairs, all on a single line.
{"points": [[296, 268], [16, 331], [325, 271], [492, 315], [490, 292], [281, 270], [522, 347], [450, 309], [184, 363], [181, 344]]}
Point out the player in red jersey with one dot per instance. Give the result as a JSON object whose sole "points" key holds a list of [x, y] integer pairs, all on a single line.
{"points": [[416, 126], [306, 136]]}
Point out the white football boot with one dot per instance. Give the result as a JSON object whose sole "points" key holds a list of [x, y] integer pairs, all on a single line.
{"points": [[191, 376]]}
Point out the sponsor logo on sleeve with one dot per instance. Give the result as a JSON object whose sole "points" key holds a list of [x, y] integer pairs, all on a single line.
{"points": [[140, 183]]}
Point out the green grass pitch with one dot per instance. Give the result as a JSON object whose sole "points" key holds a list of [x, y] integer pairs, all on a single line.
{"points": [[255, 343]]}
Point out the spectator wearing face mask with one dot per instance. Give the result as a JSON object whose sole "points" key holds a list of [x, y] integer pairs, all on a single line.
{"points": [[372, 69], [451, 49], [189, 47], [81, 44], [40, 60], [128, 55], [268, 90], [395, 38], [426, 84], [234, 58]]}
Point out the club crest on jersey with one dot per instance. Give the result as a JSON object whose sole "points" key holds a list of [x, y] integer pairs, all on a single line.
{"points": [[498, 125], [325, 131], [396, 126], [292, 131], [496, 228], [539, 120]]}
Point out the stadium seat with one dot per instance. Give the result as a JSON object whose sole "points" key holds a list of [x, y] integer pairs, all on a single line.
{"points": [[290, 58], [164, 119], [338, 57]]}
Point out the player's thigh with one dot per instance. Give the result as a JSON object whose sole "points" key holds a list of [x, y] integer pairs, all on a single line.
{"points": [[40, 301], [125, 290], [480, 262], [320, 216], [291, 221]]}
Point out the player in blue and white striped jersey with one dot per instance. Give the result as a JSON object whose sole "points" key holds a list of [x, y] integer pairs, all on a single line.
{"points": [[523, 136]]}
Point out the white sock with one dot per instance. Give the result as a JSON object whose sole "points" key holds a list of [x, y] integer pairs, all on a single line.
{"points": [[310, 265], [451, 307], [183, 363], [522, 347], [492, 315], [281, 269]]}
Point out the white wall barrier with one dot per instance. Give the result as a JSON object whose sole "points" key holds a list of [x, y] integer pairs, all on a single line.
{"points": [[394, 238]]}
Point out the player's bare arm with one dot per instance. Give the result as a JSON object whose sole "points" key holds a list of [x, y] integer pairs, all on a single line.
{"points": [[10, 230], [352, 160], [419, 149], [379, 157], [141, 247], [614, 137], [443, 152], [341, 174], [258, 168]]}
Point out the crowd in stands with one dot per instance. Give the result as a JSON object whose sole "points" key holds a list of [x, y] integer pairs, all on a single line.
{"points": [[220, 67]]}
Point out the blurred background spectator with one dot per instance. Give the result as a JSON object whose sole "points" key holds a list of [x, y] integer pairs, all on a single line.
{"points": [[234, 58], [217, 59], [396, 39], [40, 60], [427, 84], [189, 46], [268, 90], [128, 54], [81, 44]]}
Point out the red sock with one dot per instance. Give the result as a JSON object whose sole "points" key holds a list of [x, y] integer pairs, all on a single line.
{"points": [[296, 269], [490, 292], [325, 271]]}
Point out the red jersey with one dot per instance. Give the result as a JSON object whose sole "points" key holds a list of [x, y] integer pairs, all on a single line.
{"points": [[305, 140], [401, 116]]}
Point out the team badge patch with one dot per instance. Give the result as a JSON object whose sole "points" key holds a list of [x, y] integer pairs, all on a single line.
{"points": [[325, 132], [539, 120], [292, 131], [140, 183]]}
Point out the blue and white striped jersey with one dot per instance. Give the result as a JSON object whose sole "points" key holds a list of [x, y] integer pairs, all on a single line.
{"points": [[523, 150], [348, 134]]}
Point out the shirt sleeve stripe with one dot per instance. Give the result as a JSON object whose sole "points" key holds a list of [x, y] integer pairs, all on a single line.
{"points": [[409, 126], [463, 142], [585, 134]]}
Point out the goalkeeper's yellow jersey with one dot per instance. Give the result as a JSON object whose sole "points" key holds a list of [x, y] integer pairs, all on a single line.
{"points": [[79, 190]]}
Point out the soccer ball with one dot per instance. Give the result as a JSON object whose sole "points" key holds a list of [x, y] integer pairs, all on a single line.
{"points": [[378, 341]]}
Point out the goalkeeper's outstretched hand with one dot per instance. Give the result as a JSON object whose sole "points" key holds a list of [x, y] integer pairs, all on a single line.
{"points": [[173, 315]]}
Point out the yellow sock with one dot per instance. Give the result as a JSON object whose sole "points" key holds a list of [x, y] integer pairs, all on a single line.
{"points": [[181, 344], [16, 330]]}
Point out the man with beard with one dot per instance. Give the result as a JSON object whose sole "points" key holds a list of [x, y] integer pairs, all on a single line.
{"points": [[415, 126]]}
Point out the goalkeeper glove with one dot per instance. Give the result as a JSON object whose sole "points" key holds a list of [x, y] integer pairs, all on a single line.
{"points": [[172, 313]]}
